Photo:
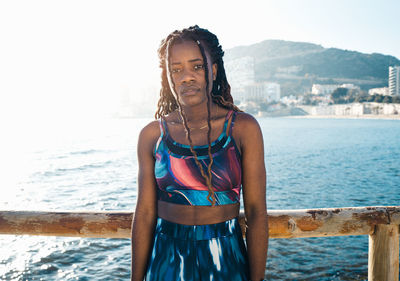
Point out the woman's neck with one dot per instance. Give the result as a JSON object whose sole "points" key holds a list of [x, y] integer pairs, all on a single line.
{"points": [[199, 113]]}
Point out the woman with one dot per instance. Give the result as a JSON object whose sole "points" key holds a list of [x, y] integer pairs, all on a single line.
{"points": [[193, 162]]}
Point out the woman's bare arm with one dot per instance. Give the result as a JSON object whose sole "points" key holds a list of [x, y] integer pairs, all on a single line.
{"points": [[146, 208], [254, 193]]}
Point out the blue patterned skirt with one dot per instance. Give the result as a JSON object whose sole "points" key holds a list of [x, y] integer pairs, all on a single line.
{"points": [[198, 252]]}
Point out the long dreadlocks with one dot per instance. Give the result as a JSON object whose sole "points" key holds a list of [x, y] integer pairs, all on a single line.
{"points": [[219, 94]]}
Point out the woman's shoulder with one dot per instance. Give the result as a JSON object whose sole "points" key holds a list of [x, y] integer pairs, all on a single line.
{"points": [[151, 132], [246, 127], [246, 121]]}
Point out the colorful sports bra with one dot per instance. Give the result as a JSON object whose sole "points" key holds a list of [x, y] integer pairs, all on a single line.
{"points": [[179, 179]]}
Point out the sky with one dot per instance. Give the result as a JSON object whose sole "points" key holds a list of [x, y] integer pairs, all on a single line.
{"points": [[73, 59]]}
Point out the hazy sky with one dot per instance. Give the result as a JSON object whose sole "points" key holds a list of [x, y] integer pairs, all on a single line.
{"points": [[68, 58]]}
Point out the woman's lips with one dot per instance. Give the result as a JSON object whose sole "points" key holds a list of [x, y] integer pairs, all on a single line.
{"points": [[189, 92]]}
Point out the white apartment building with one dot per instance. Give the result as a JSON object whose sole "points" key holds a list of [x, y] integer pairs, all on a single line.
{"points": [[323, 89], [263, 91], [327, 89], [380, 91], [394, 80], [349, 86]]}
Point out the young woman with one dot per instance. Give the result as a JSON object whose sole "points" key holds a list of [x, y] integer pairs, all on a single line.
{"points": [[193, 162]]}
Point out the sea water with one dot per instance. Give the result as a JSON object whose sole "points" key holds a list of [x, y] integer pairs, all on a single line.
{"points": [[311, 163]]}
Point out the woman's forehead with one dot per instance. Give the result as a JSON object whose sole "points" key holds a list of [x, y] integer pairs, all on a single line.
{"points": [[185, 51]]}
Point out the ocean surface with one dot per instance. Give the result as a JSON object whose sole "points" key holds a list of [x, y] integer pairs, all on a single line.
{"points": [[311, 163]]}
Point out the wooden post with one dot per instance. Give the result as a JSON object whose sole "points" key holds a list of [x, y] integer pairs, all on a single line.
{"points": [[383, 255]]}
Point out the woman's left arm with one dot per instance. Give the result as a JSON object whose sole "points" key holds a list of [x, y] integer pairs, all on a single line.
{"points": [[254, 194]]}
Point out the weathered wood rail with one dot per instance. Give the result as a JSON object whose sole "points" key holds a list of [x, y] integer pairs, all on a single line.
{"points": [[380, 223]]}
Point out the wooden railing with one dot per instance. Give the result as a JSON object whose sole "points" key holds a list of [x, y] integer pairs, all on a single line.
{"points": [[380, 223]]}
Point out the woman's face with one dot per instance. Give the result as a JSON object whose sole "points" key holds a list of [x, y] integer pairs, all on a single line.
{"points": [[188, 74]]}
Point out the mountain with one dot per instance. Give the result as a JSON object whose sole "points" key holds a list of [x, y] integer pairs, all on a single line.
{"points": [[298, 65]]}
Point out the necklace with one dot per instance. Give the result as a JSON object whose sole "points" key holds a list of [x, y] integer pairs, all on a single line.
{"points": [[205, 126]]}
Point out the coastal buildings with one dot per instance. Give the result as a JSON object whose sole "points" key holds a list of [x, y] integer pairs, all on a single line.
{"points": [[379, 91], [323, 89], [327, 89], [292, 100], [349, 86], [353, 109], [394, 80], [263, 91], [394, 84]]}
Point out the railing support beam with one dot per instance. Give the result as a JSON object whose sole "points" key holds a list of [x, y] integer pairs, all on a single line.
{"points": [[383, 256]]}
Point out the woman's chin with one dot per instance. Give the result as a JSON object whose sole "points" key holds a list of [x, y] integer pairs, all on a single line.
{"points": [[192, 99]]}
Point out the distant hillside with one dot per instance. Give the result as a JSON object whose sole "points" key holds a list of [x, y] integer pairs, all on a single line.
{"points": [[297, 65]]}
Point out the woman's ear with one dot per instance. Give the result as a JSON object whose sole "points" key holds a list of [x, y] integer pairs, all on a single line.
{"points": [[214, 71]]}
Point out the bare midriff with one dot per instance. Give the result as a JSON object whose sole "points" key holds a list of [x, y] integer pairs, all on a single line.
{"points": [[196, 215]]}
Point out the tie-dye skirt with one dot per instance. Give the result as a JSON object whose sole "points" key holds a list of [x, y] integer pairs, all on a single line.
{"points": [[198, 252]]}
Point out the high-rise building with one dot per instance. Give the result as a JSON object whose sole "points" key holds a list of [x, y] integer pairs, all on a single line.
{"points": [[394, 80]]}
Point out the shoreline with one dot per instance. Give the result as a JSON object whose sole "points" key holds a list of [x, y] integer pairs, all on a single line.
{"points": [[364, 116]]}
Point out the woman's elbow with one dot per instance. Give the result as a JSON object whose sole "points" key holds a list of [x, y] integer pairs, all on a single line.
{"points": [[256, 214]]}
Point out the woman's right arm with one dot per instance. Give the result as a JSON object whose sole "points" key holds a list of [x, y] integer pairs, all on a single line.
{"points": [[145, 216]]}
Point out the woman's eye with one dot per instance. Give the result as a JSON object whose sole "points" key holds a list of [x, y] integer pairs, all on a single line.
{"points": [[175, 70], [198, 67]]}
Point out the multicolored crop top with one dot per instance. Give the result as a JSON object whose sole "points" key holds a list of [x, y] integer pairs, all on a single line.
{"points": [[179, 179]]}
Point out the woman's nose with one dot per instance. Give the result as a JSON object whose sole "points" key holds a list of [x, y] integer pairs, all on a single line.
{"points": [[187, 76]]}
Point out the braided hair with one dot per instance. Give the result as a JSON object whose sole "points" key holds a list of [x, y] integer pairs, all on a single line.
{"points": [[219, 94]]}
